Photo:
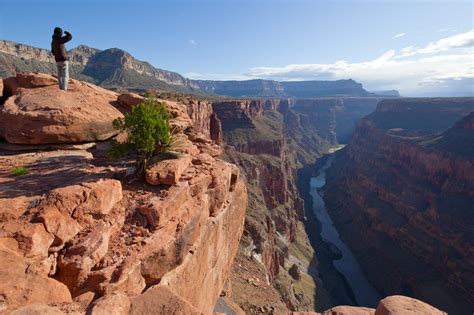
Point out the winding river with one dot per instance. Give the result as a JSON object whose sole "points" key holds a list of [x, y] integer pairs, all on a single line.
{"points": [[347, 265]]}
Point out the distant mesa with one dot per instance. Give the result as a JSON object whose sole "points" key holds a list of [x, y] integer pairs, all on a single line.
{"points": [[115, 68], [388, 93]]}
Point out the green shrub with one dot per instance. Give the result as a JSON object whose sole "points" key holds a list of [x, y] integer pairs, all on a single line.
{"points": [[20, 171], [148, 132]]}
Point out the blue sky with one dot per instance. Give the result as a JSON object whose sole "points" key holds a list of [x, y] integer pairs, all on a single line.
{"points": [[383, 44]]}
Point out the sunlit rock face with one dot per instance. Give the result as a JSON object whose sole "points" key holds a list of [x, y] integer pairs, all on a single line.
{"points": [[77, 232]]}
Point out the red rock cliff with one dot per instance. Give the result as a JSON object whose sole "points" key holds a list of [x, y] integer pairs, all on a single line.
{"points": [[76, 234]]}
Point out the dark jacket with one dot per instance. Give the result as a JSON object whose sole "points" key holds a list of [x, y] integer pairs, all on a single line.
{"points": [[57, 47]]}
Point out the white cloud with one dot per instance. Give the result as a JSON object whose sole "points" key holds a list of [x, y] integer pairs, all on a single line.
{"points": [[463, 40], [192, 42], [442, 30], [410, 70], [399, 35]]}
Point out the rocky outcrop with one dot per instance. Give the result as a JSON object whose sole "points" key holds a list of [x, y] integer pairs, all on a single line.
{"points": [[38, 113], [400, 305], [78, 234], [400, 194]]}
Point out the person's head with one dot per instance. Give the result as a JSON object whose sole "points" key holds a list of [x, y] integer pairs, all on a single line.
{"points": [[58, 32]]}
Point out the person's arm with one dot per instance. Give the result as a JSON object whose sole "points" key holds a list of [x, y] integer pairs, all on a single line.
{"points": [[52, 50], [66, 38]]}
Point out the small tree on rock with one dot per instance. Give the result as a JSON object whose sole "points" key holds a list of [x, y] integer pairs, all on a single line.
{"points": [[148, 132]]}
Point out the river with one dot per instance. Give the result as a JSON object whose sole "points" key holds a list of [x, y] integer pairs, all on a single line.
{"points": [[347, 265]]}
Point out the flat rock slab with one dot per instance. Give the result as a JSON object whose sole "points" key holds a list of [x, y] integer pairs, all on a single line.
{"points": [[45, 171], [46, 115]]}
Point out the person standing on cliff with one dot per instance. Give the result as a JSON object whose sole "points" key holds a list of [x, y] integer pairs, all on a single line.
{"points": [[60, 55]]}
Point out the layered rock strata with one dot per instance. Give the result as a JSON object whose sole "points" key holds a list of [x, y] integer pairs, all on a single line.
{"points": [[401, 194]]}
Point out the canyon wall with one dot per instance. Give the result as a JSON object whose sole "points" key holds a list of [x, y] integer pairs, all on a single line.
{"points": [[269, 140], [401, 195]]}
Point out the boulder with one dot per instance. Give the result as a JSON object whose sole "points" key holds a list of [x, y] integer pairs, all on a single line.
{"points": [[13, 208], [42, 114], [199, 183], [180, 124], [403, 305], [180, 120], [18, 288], [130, 279], [45, 267], [31, 80], [63, 209], [160, 209], [61, 225], [78, 260], [85, 299], [183, 145], [1, 88], [33, 240], [129, 99], [116, 303], [349, 310], [210, 148], [203, 158], [168, 171], [100, 197]]}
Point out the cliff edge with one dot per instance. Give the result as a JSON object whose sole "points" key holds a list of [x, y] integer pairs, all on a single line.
{"points": [[77, 236]]}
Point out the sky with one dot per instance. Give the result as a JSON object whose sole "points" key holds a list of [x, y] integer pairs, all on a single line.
{"points": [[419, 47]]}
